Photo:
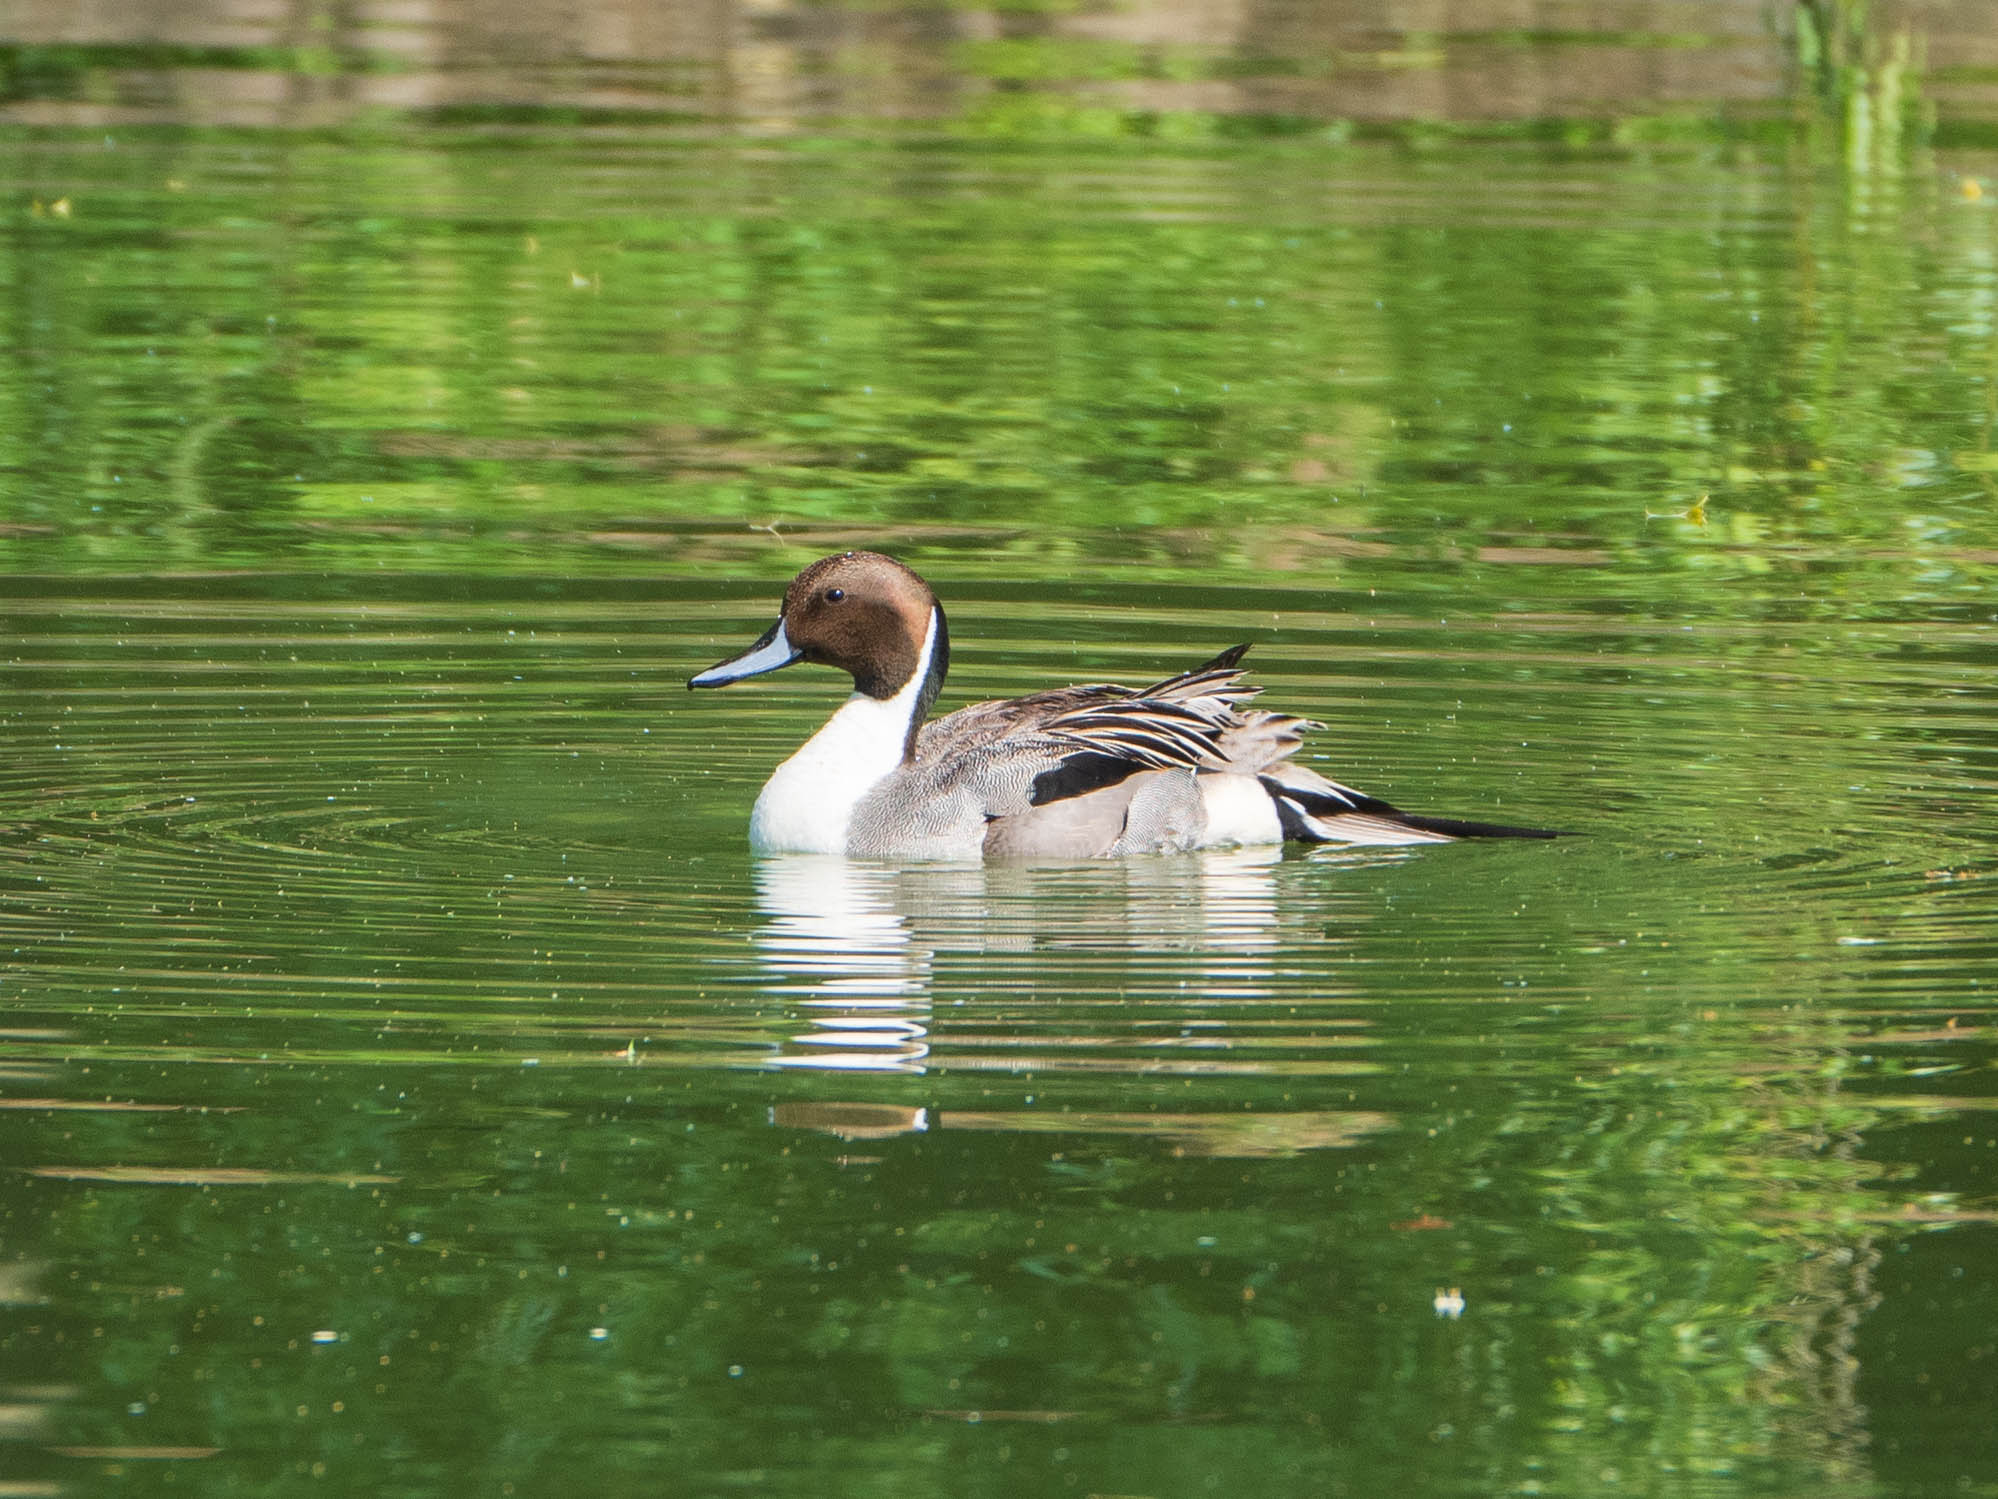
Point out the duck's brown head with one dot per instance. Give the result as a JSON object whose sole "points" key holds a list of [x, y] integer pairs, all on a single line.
{"points": [[861, 612]]}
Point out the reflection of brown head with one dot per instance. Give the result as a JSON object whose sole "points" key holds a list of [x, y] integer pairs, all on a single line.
{"points": [[850, 1121]]}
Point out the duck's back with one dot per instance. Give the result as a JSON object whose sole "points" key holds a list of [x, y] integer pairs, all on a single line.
{"points": [[971, 769]]}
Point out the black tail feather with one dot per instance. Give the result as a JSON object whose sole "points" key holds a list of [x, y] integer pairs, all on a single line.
{"points": [[1457, 827], [1449, 827], [1295, 804]]}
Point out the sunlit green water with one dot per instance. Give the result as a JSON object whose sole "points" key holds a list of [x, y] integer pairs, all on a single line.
{"points": [[408, 1078]]}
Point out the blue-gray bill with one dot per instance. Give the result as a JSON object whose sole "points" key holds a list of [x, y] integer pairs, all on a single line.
{"points": [[772, 652]]}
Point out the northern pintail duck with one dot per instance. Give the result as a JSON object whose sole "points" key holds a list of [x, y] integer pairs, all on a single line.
{"points": [[1076, 772]]}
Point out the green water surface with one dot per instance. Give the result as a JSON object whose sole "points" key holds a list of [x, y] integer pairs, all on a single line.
{"points": [[409, 1081]]}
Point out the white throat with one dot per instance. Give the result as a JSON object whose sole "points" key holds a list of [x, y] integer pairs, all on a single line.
{"points": [[807, 804]]}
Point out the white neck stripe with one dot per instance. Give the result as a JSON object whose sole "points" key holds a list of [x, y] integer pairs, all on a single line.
{"points": [[807, 805]]}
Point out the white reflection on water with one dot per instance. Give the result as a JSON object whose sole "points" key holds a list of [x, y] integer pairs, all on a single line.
{"points": [[833, 940], [853, 945]]}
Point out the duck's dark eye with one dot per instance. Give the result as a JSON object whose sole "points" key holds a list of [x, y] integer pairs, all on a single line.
{"points": [[834, 595]]}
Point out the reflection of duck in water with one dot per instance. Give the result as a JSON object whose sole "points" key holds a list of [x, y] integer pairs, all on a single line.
{"points": [[1076, 772], [853, 946], [833, 939], [1182, 950]]}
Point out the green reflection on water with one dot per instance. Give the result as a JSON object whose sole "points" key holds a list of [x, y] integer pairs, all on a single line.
{"points": [[401, 1046], [364, 354], [409, 1080]]}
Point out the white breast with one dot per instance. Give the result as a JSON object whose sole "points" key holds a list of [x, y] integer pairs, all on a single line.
{"points": [[807, 806]]}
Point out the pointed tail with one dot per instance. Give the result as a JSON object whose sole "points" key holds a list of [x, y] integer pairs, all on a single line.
{"points": [[1321, 811], [1457, 827]]}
